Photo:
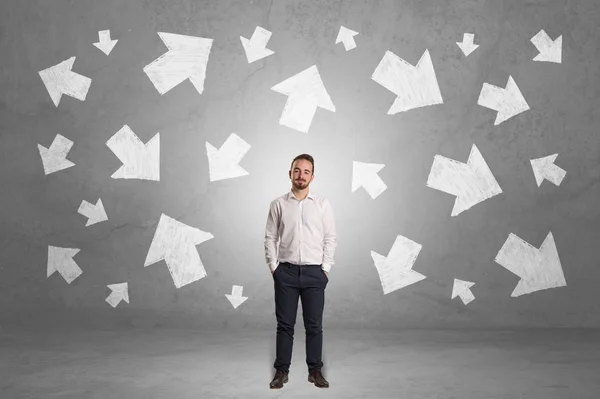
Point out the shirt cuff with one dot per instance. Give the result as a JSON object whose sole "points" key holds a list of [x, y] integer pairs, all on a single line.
{"points": [[326, 267]]}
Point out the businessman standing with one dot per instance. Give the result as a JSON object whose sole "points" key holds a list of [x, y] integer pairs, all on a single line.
{"points": [[300, 242]]}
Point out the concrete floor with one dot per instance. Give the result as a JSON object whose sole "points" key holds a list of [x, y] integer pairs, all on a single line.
{"points": [[197, 364]]}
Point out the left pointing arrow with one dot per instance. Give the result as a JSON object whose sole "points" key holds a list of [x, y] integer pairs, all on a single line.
{"points": [[59, 80]]}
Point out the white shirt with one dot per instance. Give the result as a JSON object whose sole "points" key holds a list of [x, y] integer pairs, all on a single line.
{"points": [[305, 230]]}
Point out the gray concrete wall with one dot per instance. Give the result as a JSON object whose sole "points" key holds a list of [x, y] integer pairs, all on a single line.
{"points": [[39, 210]]}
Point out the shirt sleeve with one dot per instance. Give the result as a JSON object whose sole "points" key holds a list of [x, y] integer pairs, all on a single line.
{"points": [[329, 237], [272, 236]]}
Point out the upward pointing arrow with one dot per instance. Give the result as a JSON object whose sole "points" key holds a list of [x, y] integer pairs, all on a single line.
{"points": [[105, 44], [346, 36], [305, 92], [61, 260], [256, 47], [55, 157], [508, 102], [550, 50], [467, 45], [365, 175], [59, 80]]}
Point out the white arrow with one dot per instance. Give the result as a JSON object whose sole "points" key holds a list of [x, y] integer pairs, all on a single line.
{"points": [[467, 45], [471, 183], [346, 36], [140, 161], [365, 175], [508, 102], [236, 297], [105, 44], [94, 213], [61, 260], [305, 92], [395, 271], [415, 87], [550, 50], [186, 59], [539, 269], [119, 293], [176, 242], [256, 47], [59, 80], [55, 157], [223, 163], [544, 168], [462, 289]]}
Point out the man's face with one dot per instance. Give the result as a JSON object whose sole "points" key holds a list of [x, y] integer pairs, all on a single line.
{"points": [[301, 174]]}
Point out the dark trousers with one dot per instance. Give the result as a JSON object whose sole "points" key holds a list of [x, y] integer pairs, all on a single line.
{"points": [[307, 282]]}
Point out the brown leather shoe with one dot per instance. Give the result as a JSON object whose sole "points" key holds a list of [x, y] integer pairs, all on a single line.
{"points": [[280, 378], [317, 378]]}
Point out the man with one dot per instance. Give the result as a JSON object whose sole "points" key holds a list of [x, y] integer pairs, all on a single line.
{"points": [[303, 223]]}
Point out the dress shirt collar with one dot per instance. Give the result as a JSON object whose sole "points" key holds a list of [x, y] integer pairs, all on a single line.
{"points": [[291, 195]]}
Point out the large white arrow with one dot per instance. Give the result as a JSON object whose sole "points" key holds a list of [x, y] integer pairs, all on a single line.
{"points": [[544, 168], [415, 86], [119, 293], [55, 157], [236, 298], [256, 47], [550, 50], [462, 289], [508, 102], [186, 59], [346, 36], [105, 44], [223, 163], [305, 92], [140, 161], [59, 80], [61, 260], [365, 175], [395, 271], [471, 183], [539, 269], [94, 213], [467, 46], [176, 242]]}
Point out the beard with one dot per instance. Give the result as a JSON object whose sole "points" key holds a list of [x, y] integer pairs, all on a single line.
{"points": [[299, 183]]}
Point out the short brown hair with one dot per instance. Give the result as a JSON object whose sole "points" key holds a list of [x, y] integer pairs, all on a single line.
{"points": [[306, 157]]}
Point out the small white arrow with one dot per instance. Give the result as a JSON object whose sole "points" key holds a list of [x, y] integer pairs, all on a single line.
{"points": [[539, 269], [467, 45], [61, 260], [395, 271], [55, 157], [186, 59], [59, 80], [105, 44], [508, 102], [471, 183], [94, 213], [140, 161], [346, 36], [550, 50], [305, 92], [414, 87], [119, 293], [256, 47], [223, 163], [462, 289], [365, 175], [236, 297], [176, 242], [544, 168]]}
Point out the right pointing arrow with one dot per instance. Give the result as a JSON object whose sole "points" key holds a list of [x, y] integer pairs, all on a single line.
{"points": [[539, 269], [61, 260], [223, 163], [544, 168], [365, 175], [508, 102], [550, 50], [59, 80], [471, 183], [140, 161]]}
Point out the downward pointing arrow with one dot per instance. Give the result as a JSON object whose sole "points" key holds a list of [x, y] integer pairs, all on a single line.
{"points": [[467, 45], [544, 168], [59, 80], [105, 44], [54, 158], [256, 47], [550, 50], [94, 213], [61, 260], [346, 36], [395, 271], [223, 163], [236, 298], [508, 102], [365, 175], [539, 269], [140, 161]]}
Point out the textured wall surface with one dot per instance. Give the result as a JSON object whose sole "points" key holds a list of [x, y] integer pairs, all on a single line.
{"points": [[40, 210]]}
